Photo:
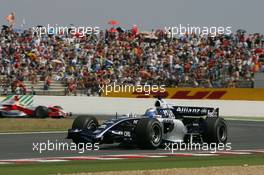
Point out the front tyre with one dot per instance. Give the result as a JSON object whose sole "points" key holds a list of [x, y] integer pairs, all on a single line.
{"points": [[84, 123], [149, 133]]}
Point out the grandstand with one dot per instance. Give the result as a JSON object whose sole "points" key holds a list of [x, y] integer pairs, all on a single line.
{"points": [[74, 65]]}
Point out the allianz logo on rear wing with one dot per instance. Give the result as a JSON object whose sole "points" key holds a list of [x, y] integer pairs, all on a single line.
{"points": [[196, 111]]}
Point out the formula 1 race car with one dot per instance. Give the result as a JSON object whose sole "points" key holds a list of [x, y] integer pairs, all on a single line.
{"points": [[165, 123], [21, 106]]}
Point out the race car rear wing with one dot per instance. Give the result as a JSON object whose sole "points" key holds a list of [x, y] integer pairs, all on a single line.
{"points": [[195, 111]]}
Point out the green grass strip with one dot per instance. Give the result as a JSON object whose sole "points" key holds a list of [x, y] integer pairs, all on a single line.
{"points": [[244, 118], [132, 164]]}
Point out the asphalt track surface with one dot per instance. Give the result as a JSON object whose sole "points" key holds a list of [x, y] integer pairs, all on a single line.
{"points": [[243, 135]]}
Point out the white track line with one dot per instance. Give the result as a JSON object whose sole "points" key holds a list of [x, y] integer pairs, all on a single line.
{"points": [[55, 160], [109, 158], [125, 156], [231, 152], [6, 163], [42, 132], [156, 156], [253, 151]]}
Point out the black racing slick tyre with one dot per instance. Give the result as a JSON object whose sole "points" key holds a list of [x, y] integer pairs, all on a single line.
{"points": [[149, 133], [85, 122], [41, 112], [216, 130]]}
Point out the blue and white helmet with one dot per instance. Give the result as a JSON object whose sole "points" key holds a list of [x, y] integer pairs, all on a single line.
{"points": [[151, 113]]}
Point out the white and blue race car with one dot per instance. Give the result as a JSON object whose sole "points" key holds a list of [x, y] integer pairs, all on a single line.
{"points": [[164, 123]]}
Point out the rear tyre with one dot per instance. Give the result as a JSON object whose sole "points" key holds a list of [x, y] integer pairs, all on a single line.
{"points": [[84, 122], [41, 112], [216, 130], [148, 133]]}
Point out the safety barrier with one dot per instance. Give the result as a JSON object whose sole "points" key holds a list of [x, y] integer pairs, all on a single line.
{"points": [[111, 106], [254, 94]]}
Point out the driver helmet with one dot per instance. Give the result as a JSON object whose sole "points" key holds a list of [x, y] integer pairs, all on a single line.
{"points": [[16, 98], [151, 113]]}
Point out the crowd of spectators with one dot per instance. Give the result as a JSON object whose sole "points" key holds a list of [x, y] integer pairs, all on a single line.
{"points": [[128, 57]]}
